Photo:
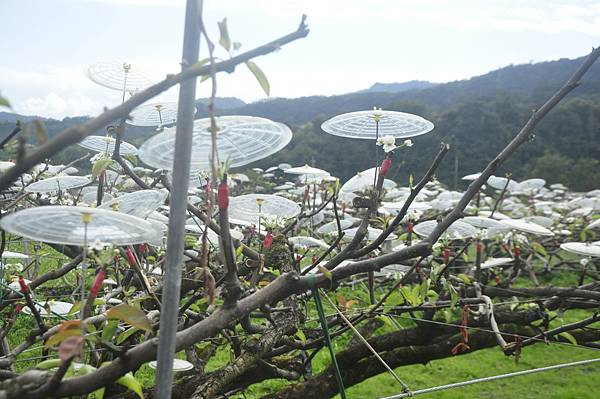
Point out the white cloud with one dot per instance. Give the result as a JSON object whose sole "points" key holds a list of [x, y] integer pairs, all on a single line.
{"points": [[56, 106], [57, 91]]}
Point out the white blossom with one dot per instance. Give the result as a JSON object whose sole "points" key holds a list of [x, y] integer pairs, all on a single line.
{"points": [[388, 143], [584, 261], [97, 245]]}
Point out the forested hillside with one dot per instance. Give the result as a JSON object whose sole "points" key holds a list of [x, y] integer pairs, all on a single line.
{"points": [[476, 116]]}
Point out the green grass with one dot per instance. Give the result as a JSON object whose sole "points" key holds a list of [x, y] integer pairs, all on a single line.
{"points": [[576, 382]]}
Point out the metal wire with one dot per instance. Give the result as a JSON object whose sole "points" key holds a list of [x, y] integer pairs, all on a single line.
{"points": [[359, 335], [492, 378]]}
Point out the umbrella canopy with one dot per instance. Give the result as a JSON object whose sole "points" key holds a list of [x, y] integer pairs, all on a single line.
{"points": [[483, 223], [495, 262], [581, 248], [471, 177], [527, 227], [363, 125], [154, 114], [363, 180], [500, 182], [531, 185], [252, 207], [120, 76], [306, 170], [139, 203], [64, 225], [331, 227], [58, 183], [106, 144], [5, 165], [457, 230], [14, 255], [240, 139], [372, 233], [306, 241], [178, 365]]}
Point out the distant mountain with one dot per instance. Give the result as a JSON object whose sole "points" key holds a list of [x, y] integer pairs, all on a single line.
{"points": [[399, 87], [532, 83], [222, 102], [11, 117]]}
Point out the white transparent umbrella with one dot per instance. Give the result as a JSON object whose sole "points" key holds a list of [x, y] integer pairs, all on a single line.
{"points": [[117, 75], [58, 183], [581, 248], [252, 207], [65, 225], [457, 230], [377, 123], [527, 227], [154, 114], [306, 241], [331, 227], [106, 144], [307, 170], [139, 203], [483, 223], [495, 262], [240, 140]]}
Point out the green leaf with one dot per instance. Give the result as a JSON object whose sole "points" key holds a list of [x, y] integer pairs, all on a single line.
{"points": [[411, 295], [239, 251], [260, 76], [464, 278], [432, 295], [130, 315], [201, 63], [75, 308], [109, 330], [453, 295], [385, 320], [4, 102], [131, 158], [100, 166], [410, 182], [87, 369], [568, 337], [539, 248], [41, 133], [224, 40], [326, 272], [48, 364], [130, 382], [126, 334], [300, 334]]}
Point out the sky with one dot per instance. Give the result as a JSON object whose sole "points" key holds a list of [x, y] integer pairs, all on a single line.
{"points": [[46, 46]]}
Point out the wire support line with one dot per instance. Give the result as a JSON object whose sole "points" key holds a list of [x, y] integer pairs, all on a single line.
{"points": [[491, 378], [364, 341]]}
